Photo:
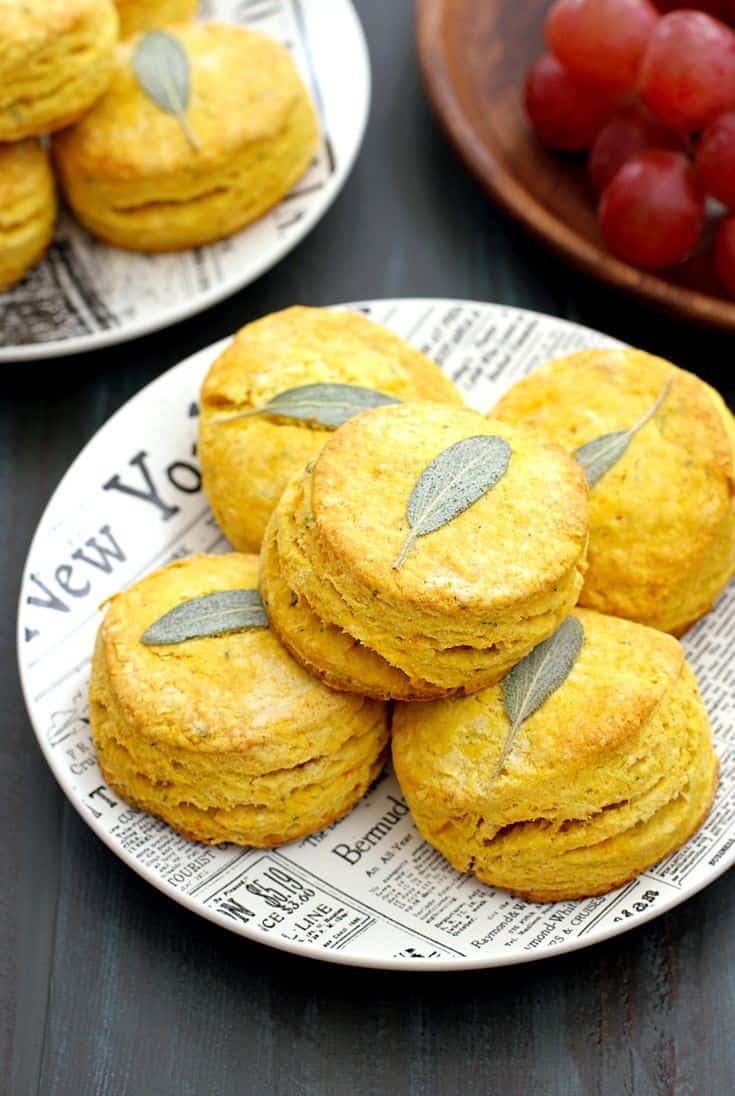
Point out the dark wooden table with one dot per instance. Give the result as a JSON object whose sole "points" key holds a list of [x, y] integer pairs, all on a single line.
{"points": [[108, 988]]}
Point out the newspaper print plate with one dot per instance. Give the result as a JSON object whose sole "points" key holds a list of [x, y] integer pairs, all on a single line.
{"points": [[85, 295], [368, 891]]}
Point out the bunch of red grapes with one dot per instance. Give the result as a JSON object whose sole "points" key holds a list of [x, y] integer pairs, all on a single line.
{"points": [[650, 92]]}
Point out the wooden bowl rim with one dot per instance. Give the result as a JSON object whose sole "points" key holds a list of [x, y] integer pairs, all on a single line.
{"points": [[501, 184]]}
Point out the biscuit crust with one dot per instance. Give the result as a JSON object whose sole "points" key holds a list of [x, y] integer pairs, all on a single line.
{"points": [[247, 463], [134, 179], [335, 657], [615, 771], [140, 15], [225, 738], [662, 520], [473, 597], [27, 208], [56, 59]]}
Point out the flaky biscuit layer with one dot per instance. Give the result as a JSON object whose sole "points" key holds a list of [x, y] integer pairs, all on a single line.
{"points": [[27, 208], [224, 737], [56, 60]]}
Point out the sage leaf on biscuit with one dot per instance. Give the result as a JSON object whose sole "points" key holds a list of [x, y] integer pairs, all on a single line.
{"points": [[209, 615], [454, 480], [161, 67], [536, 677], [329, 405], [597, 457]]}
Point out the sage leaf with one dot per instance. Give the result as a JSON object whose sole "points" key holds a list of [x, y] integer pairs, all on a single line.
{"points": [[161, 67], [209, 615], [536, 677], [329, 405], [597, 457], [454, 480]]}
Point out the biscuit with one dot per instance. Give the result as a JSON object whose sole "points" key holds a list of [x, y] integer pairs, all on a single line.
{"points": [[138, 180], [56, 59], [27, 208], [247, 463], [662, 519], [613, 772], [226, 738], [140, 15], [472, 597]]}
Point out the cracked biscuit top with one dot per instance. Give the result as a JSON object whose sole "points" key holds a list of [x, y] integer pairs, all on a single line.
{"points": [[513, 545], [241, 692], [243, 85]]}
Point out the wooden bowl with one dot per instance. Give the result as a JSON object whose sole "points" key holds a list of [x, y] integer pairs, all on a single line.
{"points": [[475, 55]]}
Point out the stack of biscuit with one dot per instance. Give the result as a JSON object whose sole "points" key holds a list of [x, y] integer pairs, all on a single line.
{"points": [[469, 601], [180, 135], [418, 553]]}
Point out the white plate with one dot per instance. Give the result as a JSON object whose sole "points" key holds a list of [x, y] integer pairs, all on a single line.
{"points": [[368, 891], [86, 295]]}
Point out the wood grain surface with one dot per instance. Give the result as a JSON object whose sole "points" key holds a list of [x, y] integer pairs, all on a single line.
{"points": [[475, 55], [109, 989]]}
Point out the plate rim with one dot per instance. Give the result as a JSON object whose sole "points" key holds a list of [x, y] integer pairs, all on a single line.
{"points": [[99, 340], [500, 184], [447, 965]]}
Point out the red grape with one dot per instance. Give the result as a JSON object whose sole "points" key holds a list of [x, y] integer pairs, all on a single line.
{"points": [[652, 212], [725, 253], [716, 159], [601, 42], [564, 115], [688, 71], [625, 135]]}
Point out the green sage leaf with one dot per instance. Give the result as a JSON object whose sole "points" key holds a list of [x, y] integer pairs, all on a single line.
{"points": [[161, 67], [454, 480], [599, 455], [536, 677], [329, 405], [209, 615]]}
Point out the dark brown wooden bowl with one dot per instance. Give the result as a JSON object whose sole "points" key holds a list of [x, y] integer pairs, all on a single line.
{"points": [[474, 58]]}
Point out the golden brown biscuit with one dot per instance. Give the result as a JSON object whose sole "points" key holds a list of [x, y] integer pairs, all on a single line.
{"points": [[226, 738], [472, 597], [247, 463], [662, 519], [140, 15], [613, 772], [139, 179], [56, 59], [27, 208]]}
